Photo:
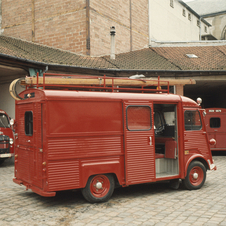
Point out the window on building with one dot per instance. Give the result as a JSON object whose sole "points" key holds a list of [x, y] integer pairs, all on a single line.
{"points": [[215, 122], [184, 12], [206, 29], [189, 16], [138, 118], [171, 3], [198, 23], [192, 120], [28, 120]]}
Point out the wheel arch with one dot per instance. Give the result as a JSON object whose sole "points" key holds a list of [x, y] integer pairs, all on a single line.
{"points": [[196, 158], [113, 175], [102, 165], [99, 188]]}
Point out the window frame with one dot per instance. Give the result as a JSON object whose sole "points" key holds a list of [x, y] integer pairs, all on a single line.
{"points": [[189, 16], [28, 123], [138, 129], [172, 3], [191, 125], [211, 123]]}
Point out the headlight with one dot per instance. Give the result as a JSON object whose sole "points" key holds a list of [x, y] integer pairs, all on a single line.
{"points": [[11, 141]]}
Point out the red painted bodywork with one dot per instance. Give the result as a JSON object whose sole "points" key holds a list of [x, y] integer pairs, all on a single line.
{"points": [[217, 128], [78, 134], [7, 131]]}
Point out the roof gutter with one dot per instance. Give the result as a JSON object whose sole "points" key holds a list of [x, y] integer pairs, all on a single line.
{"points": [[213, 14], [23, 60]]}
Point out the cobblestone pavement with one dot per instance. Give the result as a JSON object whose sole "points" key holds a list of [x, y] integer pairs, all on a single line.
{"points": [[149, 204]]}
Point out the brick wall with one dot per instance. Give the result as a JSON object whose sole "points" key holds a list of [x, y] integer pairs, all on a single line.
{"points": [[107, 13], [16, 18], [140, 24], [62, 24]]}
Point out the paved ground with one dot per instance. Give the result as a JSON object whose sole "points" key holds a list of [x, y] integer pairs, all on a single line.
{"points": [[152, 204]]}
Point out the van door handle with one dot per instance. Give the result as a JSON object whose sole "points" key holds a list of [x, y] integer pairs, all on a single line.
{"points": [[150, 141]]}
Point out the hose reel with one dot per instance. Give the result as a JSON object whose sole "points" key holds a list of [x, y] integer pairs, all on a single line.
{"points": [[12, 89]]}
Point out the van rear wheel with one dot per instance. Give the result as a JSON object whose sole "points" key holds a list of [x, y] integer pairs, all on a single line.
{"points": [[2, 160], [196, 176], [99, 188]]}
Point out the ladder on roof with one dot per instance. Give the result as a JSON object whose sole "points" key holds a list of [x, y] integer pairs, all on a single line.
{"points": [[95, 83]]}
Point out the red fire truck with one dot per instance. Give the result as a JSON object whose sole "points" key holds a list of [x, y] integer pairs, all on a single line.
{"points": [[94, 140], [6, 137], [216, 127]]}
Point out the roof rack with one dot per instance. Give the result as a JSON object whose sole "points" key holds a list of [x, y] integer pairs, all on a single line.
{"points": [[96, 83]]}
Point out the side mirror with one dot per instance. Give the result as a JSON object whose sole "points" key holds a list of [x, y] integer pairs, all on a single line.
{"points": [[12, 121], [204, 113]]}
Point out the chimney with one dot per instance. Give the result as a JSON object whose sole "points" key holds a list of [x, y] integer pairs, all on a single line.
{"points": [[112, 33]]}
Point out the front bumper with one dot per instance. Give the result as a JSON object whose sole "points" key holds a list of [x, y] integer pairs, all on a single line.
{"points": [[213, 167], [5, 147], [6, 155]]}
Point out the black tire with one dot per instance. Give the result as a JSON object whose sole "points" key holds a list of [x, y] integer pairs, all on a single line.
{"points": [[99, 188], [196, 176], [2, 160]]}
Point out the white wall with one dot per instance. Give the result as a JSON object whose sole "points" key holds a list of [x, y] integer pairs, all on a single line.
{"points": [[218, 25], [169, 24], [7, 103]]}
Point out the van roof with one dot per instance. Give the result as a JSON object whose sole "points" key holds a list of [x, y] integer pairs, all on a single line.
{"points": [[156, 97]]}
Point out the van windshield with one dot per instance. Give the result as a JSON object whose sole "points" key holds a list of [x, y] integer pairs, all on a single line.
{"points": [[4, 121]]}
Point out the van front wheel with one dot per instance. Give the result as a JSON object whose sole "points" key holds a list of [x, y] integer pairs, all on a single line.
{"points": [[99, 188], [196, 176]]}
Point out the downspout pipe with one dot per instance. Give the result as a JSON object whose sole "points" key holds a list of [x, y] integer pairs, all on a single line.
{"points": [[200, 28], [149, 22], [112, 33], [1, 31]]}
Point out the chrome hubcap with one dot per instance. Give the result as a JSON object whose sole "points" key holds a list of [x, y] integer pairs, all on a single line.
{"points": [[195, 175], [99, 185]]}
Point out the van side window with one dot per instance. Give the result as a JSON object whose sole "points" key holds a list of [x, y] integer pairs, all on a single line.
{"points": [[28, 123], [215, 122], [138, 117], [192, 120]]}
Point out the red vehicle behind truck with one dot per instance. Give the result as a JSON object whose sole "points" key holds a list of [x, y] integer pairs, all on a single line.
{"points": [[95, 140], [6, 137], [215, 121]]}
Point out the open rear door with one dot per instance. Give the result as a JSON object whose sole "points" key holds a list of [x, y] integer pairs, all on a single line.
{"points": [[139, 142]]}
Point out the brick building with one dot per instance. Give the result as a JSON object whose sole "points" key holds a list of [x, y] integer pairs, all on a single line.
{"points": [[83, 26], [71, 24]]}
